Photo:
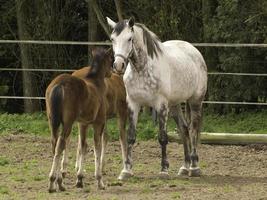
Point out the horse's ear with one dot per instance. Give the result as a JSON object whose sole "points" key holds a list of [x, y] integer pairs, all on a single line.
{"points": [[111, 22], [131, 22]]}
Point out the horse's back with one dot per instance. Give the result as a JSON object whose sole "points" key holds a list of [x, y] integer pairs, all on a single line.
{"points": [[187, 69], [187, 50]]}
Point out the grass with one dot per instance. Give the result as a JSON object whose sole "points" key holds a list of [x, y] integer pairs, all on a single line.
{"points": [[248, 122]]}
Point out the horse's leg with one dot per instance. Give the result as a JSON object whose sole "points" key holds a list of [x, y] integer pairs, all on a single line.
{"points": [[133, 110], [194, 131], [163, 137], [122, 119], [182, 125], [98, 131], [60, 146], [81, 151], [65, 159]]}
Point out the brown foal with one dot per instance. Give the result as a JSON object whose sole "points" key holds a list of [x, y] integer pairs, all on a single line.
{"points": [[70, 99]]}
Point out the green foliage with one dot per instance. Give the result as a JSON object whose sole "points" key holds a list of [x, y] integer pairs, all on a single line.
{"points": [[230, 21], [247, 122], [237, 22]]}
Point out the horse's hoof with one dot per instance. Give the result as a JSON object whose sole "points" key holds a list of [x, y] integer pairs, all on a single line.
{"points": [[164, 174], [51, 190], [79, 184], [194, 172], [125, 175], [183, 171]]}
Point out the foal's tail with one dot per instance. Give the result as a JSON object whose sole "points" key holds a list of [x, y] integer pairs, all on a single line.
{"points": [[56, 98]]}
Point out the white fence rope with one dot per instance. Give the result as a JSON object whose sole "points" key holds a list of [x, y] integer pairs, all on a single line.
{"points": [[109, 43], [71, 70], [43, 42], [205, 102]]}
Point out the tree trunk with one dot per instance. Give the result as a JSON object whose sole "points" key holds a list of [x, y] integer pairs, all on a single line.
{"points": [[29, 80], [100, 17], [118, 8], [92, 29]]}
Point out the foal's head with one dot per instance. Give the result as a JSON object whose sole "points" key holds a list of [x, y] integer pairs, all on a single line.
{"points": [[122, 42], [101, 63]]}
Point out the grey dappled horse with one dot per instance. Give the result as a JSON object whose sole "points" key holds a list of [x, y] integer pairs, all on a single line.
{"points": [[160, 75]]}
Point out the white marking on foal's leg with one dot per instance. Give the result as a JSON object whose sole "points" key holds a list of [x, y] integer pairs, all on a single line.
{"points": [[54, 173], [98, 131], [82, 146], [65, 159]]}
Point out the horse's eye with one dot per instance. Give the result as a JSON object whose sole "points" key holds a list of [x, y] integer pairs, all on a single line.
{"points": [[129, 40], [111, 39]]}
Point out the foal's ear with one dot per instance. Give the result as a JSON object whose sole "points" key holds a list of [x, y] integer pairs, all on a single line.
{"points": [[131, 22], [109, 52], [111, 22], [94, 50]]}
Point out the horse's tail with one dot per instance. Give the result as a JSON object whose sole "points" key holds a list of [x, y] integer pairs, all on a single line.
{"points": [[56, 98]]}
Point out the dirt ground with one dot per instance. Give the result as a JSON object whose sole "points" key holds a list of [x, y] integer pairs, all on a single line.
{"points": [[229, 172]]}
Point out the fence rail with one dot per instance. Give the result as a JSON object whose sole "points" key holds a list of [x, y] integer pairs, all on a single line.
{"points": [[72, 70], [44, 42], [109, 43], [205, 102]]}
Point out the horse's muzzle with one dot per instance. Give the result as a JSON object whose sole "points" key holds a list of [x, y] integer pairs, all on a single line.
{"points": [[119, 67]]}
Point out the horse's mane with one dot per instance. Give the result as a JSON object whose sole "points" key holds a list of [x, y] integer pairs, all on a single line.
{"points": [[151, 40]]}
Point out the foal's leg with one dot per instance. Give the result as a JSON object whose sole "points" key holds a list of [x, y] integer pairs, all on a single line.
{"points": [[163, 137], [104, 145], [181, 123], [98, 131], [195, 124], [122, 119], [60, 146], [65, 159], [81, 152], [133, 110]]}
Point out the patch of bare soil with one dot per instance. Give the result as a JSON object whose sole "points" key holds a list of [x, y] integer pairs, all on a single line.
{"points": [[229, 172]]}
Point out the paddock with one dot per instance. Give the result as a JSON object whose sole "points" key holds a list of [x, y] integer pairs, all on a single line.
{"points": [[229, 172]]}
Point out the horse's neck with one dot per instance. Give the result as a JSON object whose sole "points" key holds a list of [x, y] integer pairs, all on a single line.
{"points": [[139, 59]]}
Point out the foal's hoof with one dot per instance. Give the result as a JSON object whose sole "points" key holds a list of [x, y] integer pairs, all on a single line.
{"points": [[79, 184], [125, 175], [183, 171], [51, 190], [61, 188], [194, 172], [101, 186], [164, 174]]}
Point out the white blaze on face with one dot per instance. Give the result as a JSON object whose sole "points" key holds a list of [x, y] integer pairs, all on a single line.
{"points": [[121, 38], [122, 47]]}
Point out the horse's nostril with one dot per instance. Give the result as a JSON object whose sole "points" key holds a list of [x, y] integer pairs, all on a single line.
{"points": [[122, 67]]}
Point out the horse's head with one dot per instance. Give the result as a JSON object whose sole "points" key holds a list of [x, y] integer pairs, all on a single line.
{"points": [[101, 62], [122, 43]]}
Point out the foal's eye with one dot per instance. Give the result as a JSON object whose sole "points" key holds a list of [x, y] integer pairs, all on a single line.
{"points": [[111, 39]]}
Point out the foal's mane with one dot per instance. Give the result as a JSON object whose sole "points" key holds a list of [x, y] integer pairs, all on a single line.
{"points": [[97, 62], [151, 41]]}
